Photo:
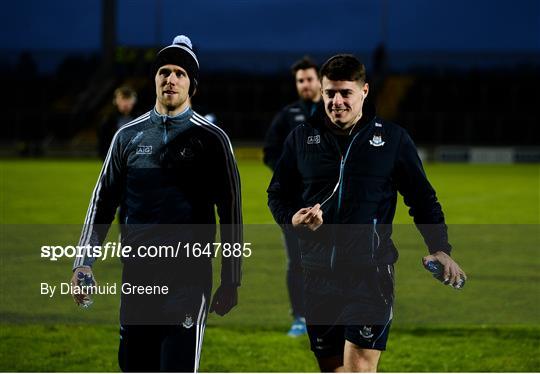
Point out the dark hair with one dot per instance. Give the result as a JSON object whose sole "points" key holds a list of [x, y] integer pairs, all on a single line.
{"points": [[126, 92], [343, 68], [304, 64]]}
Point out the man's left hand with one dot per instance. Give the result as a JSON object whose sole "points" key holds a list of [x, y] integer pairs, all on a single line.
{"points": [[225, 298], [452, 271]]}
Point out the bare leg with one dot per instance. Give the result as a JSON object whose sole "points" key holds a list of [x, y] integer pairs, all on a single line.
{"points": [[358, 359]]}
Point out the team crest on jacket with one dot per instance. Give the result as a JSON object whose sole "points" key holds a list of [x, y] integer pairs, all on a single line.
{"points": [[377, 140], [188, 322]]}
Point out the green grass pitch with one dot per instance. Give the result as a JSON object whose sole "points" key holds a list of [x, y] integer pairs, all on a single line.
{"points": [[493, 324]]}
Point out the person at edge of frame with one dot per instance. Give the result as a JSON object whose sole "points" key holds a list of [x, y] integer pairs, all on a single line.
{"points": [[336, 186], [308, 87], [170, 168]]}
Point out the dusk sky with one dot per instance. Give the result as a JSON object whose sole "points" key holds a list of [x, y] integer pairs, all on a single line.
{"points": [[280, 25]]}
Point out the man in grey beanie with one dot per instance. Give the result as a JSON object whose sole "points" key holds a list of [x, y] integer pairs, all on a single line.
{"points": [[170, 168]]}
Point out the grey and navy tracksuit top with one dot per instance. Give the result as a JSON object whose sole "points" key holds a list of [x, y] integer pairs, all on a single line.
{"points": [[358, 175], [168, 172]]}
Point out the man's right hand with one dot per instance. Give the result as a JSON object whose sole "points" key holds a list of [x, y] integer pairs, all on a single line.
{"points": [[452, 272], [310, 217], [75, 283]]}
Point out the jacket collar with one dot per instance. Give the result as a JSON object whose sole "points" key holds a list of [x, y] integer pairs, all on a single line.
{"points": [[163, 119]]}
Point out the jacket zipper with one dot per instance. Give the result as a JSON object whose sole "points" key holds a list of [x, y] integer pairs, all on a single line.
{"points": [[342, 171], [340, 193], [341, 165], [165, 135]]}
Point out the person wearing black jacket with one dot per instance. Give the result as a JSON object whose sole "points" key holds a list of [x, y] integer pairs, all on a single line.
{"points": [[171, 170], [308, 87], [124, 100], [336, 186]]}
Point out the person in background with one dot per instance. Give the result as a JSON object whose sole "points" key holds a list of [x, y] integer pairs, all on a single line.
{"points": [[124, 101], [287, 119]]}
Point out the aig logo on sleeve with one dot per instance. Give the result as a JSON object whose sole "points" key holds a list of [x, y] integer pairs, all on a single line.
{"points": [[144, 150], [314, 139]]}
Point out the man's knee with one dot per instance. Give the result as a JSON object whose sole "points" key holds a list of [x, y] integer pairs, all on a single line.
{"points": [[361, 365], [358, 359]]}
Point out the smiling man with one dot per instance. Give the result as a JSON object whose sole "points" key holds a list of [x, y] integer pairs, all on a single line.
{"points": [[170, 168], [336, 186]]}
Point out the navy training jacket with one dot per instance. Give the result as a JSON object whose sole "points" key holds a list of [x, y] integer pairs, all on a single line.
{"points": [[356, 177]]}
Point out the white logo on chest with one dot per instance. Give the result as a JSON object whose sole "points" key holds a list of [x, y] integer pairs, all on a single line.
{"points": [[377, 137], [144, 150], [314, 139], [376, 141]]}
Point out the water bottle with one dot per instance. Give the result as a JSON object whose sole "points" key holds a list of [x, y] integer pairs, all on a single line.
{"points": [[85, 280], [437, 270]]}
